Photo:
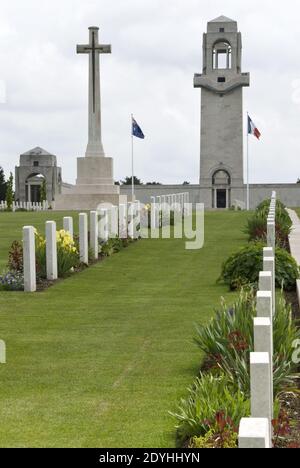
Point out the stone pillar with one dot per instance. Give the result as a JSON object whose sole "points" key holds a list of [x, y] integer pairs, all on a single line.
{"points": [[83, 238], [123, 222], [254, 434], [153, 213], [265, 281], [263, 343], [131, 220], [104, 225], [114, 222], [29, 264], [51, 250], [68, 225], [269, 265], [137, 219], [271, 234], [261, 397], [94, 234], [264, 304]]}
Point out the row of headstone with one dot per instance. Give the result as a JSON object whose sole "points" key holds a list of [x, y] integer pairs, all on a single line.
{"points": [[111, 222], [161, 206], [257, 431], [28, 206]]}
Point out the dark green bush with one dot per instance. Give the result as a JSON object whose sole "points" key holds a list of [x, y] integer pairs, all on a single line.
{"points": [[243, 267], [256, 227], [112, 246]]}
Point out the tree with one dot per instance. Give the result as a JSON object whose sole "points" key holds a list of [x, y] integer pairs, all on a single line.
{"points": [[43, 193], [153, 183], [186, 183], [128, 181], [2, 185], [10, 192]]}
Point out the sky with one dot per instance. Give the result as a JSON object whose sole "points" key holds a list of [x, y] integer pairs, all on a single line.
{"points": [[156, 49]]}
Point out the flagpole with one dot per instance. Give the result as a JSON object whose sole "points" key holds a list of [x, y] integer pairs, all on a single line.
{"points": [[248, 186], [132, 162]]}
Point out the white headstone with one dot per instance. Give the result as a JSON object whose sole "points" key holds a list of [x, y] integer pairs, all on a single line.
{"points": [[68, 225], [83, 238], [94, 234], [29, 264], [123, 222], [254, 433], [269, 265], [261, 398], [271, 235], [104, 225], [51, 250], [264, 304], [265, 281]]}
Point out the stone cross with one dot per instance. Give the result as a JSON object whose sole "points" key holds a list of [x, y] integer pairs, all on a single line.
{"points": [[94, 49]]}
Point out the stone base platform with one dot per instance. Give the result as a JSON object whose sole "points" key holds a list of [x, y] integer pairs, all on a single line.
{"points": [[86, 202]]}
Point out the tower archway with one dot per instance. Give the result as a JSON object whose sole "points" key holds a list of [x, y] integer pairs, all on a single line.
{"points": [[221, 182]]}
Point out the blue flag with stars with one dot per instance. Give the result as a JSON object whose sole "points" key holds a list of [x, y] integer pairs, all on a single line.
{"points": [[136, 130]]}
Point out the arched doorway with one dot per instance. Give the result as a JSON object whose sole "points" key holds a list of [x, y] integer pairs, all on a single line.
{"points": [[221, 182], [33, 187]]}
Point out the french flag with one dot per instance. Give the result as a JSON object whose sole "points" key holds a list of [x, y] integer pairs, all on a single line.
{"points": [[252, 129]]}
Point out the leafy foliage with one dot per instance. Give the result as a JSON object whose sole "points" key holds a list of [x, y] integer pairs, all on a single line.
{"points": [[256, 227], [243, 267], [228, 341], [3, 185], [10, 192], [15, 257], [43, 193], [209, 396], [222, 435], [12, 281], [128, 181]]}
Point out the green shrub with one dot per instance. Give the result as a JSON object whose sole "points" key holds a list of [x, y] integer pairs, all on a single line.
{"points": [[243, 268], [15, 257], [228, 341], [256, 227], [222, 435], [112, 246], [230, 330], [208, 396], [211, 440], [10, 192]]}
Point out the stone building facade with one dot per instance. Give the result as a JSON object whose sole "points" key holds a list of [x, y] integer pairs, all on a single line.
{"points": [[36, 166]]}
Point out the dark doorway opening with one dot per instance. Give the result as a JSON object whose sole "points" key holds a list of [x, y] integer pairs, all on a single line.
{"points": [[221, 198], [35, 193]]}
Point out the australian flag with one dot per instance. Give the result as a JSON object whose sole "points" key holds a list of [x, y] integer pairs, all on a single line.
{"points": [[136, 130]]}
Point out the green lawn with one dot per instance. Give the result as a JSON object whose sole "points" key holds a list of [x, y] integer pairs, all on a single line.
{"points": [[99, 359]]}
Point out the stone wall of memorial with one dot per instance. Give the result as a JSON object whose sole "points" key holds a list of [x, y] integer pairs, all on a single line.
{"points": [[289, 194]]}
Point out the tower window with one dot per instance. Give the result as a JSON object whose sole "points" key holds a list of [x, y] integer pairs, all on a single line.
{"points": [[222, 56], [36, 164], [221, 79], [221, 30]]}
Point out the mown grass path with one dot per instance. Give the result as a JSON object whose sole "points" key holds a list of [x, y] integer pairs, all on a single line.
{"points": [[99, 359]]}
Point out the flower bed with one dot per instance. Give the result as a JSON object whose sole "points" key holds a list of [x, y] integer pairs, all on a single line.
{"points": [[68, 261]]}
